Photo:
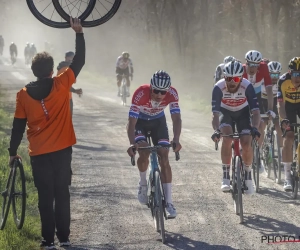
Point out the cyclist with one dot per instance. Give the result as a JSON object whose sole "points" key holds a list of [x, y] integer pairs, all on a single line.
{"points": [[1, 45], [147, 114], [61, 68], [257, 72], [275, 69], [124, 66], [233, 96], [33, 50], [13, 50], [27, 53], [288, 97], [219, 70]]}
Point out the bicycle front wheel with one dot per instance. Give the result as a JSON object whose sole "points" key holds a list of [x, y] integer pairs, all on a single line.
{"points": [[6, 197], [278, 158], [255, 166], [19, 195], [124, 93], [238, 166], [159, 214]]}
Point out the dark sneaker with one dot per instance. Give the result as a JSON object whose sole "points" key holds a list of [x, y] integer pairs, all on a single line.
{"points": [[47, 246], [65, 243]]}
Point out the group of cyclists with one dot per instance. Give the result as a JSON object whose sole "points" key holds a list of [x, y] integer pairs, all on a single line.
{"points": [[29, 52], [242, 92]]}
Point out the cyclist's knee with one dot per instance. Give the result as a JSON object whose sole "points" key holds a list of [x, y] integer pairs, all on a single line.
{"points": [[288, 139]]}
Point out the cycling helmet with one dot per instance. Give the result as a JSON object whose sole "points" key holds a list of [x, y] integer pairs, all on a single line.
{"points": [[233, 69], [228, 59], [253, 56], [125, 54], [294, 64], [161, 80], [69, 53], [274, 67]]}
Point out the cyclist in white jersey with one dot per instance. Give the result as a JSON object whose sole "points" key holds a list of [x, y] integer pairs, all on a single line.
{"points": [[124, 66], [219, 70]]}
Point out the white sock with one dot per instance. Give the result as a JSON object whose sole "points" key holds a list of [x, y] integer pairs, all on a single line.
{"points": [[143, 178], [287, 170], [168, 192]]}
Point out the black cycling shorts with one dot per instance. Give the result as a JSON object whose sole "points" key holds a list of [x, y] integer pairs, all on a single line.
{"points": [[239, 118], [265, 106], [120, 72], [158, 128], [292, 110], [260, 103]]}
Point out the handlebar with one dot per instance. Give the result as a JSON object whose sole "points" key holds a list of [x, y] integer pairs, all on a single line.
{"points": [[287, 130], [155, 148], [234, 136]]}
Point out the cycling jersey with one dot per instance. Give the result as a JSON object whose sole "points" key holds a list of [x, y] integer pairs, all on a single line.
{"points": [[123, 64], [144, 108], [286, 90], [261, 77], [219, 72], [243, 97]]}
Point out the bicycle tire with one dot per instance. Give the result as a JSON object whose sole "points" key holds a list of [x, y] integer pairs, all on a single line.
{"points": [[7, 197], [274, 163], [255, 167], [94, 23], [82, 17], [159, 211], [43, 19], [238, 162], [295, 176], [278, 180], [19, 220]]}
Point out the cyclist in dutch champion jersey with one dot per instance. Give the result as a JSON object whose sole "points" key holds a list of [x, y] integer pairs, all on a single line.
{"points": [[147, 114], [256, 71], [234, 98]]}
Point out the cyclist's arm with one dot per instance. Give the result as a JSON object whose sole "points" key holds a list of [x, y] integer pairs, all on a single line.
{"points": [[131, 66], [280, 100], [131, 129], [253, 105], [216, 106], [256, 118], [79, 58], [176, 119], [268, 85]]}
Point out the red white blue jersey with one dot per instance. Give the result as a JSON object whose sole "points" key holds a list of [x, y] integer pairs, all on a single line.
{"points": [[243, 97], [142, 107], [261, 77]]}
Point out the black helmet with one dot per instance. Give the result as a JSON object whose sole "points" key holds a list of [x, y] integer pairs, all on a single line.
{"points": [[294, 64], [69, 53]]}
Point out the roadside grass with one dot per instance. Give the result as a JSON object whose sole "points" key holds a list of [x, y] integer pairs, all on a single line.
{"points": [[11, 238]]}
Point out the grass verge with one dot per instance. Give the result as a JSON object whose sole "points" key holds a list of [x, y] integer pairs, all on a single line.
{"points": [[11, 238]]}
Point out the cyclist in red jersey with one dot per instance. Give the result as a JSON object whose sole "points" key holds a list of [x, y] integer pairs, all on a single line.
{"points": [[147, 114], [256, 71]]}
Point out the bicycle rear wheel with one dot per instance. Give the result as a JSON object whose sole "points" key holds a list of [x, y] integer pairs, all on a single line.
{"points": [[239, 200], [6, 197], [159, 214], [19, 195], [255, 166], [102, 11], [278, 159]]}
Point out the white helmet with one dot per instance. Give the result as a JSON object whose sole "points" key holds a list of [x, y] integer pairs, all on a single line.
{"points": [[228, 59], [253, 56], [274, 67], [233, 69], [161, 80]]}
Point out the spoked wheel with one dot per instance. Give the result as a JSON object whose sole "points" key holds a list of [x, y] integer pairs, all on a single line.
{"points": [[6, 197], [264, 159], [239, 194], [255, 166], [102, 10], [19, 195], [159, 212], [277, 158], [124, 94], [46, 12]]}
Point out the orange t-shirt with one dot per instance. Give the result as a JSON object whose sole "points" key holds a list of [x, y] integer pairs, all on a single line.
{"points": [[61, 71], [51, 129]]}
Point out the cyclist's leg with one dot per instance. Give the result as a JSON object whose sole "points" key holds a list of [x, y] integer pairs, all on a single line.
{"points": [[243, 126], [143, 159], [127, 81], [226, 127], [288, 141], [160, 136]]}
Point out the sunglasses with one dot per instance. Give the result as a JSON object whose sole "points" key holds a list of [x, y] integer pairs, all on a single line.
{"points": [[236, 79], [253, 64], [274, 75], [295, 74], [156, 91]]}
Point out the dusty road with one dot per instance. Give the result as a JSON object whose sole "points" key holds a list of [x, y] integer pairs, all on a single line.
{"points": [[105, 210]]}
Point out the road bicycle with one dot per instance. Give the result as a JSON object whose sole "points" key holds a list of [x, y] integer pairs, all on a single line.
{"points": [[295, 169], [123, 93], [155, 191], [271, 155], [237, 181], [14, 194], [56, 13], [13, 59]]}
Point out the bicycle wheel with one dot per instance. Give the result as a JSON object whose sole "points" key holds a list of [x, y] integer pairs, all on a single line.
{"points": [[159, 214], [19, 195], [255, 166], [264, 159], [6, 197], [238, 163], [102, 11], [124, 91], [278, 158], [234, 190], [274, 157], [295, 175]]}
